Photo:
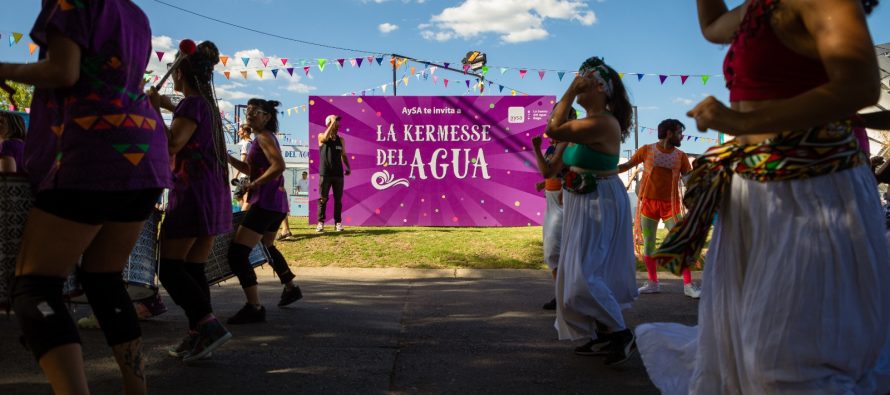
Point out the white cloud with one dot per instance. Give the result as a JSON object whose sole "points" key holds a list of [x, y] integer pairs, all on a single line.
{"points": [[648, 108], [684, 101], [513, 20], [294, 85], [387, 27]]}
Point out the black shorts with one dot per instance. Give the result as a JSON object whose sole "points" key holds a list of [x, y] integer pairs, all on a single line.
{"points": [[97, 207], [262, 221]]}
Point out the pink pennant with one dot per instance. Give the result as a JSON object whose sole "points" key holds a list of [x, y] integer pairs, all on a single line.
{"points": [[683, 79], [284, 61], [446, 82], [466, 67], [265, 61], [306, 70], [541, 74], [160, 55], [341, 61], [522, 73]]}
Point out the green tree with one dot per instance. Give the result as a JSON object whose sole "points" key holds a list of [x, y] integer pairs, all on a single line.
{"points": [[23, 95]]}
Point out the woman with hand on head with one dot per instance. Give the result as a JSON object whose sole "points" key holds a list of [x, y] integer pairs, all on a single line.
{"points": [[199, 206], [795, 296], [97, 157], [268, 208], [596, 279]]}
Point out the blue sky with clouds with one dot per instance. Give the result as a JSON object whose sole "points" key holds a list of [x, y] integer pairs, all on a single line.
{"points": [[634, 36]]}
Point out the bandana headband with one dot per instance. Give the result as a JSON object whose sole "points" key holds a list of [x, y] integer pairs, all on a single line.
{"points": [[595, 68]]}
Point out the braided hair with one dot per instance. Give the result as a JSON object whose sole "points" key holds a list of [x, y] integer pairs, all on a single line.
{"points": [[197, 72]]}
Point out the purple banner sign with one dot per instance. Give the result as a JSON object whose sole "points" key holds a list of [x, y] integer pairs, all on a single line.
{"points": [[433, 160]]}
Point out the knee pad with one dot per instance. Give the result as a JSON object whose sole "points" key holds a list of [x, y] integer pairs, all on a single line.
{"points": [[280, 265], [42, 314], [239, 262], [112, 306]]}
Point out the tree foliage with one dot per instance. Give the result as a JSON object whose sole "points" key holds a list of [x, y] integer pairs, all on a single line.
{"points": [[23, 95]]}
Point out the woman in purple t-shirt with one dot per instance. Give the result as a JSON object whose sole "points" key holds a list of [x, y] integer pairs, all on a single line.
{"points": [[199, 207], [268, 207], [98, 160], [12, 144]]}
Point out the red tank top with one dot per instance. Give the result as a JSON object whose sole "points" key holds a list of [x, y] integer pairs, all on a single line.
{"points": [[759, 66]]}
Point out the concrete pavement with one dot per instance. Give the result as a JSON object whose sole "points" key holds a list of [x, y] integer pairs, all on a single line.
{"points": [[374, 331]]}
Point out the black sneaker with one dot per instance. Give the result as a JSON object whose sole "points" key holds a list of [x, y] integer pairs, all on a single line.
{"points": [[290, 295], [248, 315], [211, 335], [621, 348], [186, 345], [551, 305], [598, 346]]}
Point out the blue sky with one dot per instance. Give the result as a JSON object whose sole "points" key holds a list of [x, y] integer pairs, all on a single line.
{"points": [[634, 36]]}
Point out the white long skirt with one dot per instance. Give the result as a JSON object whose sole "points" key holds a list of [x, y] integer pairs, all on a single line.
{"points": [[596, 275], [552, 229], [795, 297]]}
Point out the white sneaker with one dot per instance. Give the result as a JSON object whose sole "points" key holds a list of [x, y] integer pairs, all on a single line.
{"points": [[320, 227], [691, 290], [650, 288], [338, 227]]}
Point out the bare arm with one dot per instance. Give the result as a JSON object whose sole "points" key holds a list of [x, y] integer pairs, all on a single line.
{"points": [[845, 49], [718, 24], [181, 131], [345, 157], [241, 166], [7, 164], [59, 69], [634, 160], [273, 153], [327, 135]]}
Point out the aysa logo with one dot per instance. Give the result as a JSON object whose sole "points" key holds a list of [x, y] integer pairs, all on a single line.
{"points": [[515, 115]]}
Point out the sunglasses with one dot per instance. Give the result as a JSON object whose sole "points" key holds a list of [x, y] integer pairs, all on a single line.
{"points": [[256, 111]]}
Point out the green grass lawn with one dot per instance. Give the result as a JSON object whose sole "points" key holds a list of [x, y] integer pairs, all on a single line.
{"points": [[417, 247]]}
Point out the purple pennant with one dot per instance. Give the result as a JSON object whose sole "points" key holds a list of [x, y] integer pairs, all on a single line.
{"points": [[639, 77], [160, 55], [358, 61], [341, 63], [468, 83], [379, 60], [290, 70], [446, 65], [683, 79], [662, 77]]}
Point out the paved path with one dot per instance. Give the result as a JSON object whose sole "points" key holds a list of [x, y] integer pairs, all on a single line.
{"points": [[374, 331]]}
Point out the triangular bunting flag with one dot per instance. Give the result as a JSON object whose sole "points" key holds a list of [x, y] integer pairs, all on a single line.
{"points": [[341, 61], [503, 70], [274, 73], [541, 74], [433, 69], [288, 112], [160, 55], [358, 62], [265, 62], [306, 70], [500, 88], [621, 75], [513, 92], [683, 79], [382, 87], [246, 61], [260, 73], [522, 73], [17, 36], [484, 70], [379, 60], [466, 68], [662, 77], [413, 69], [560, 74], [244, 74], [468, 83], [225, 73], [121, 148], [446, 65], [405, 81], [435, 79], [321, 63], [224, 60], [284, 61], [639, 77], [704, 79], [446, 82], [32, 47], [134, 158]]}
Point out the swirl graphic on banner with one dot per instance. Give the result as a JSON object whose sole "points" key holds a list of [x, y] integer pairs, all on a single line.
{"points": [[383, 180]]}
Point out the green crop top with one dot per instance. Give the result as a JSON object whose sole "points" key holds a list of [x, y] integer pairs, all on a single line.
{"points": [[580, 155]]}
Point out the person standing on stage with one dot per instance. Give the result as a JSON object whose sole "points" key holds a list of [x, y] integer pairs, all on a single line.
{"points": [[12, 142], [96, 154], [199, 208], [332, 155], [268, 208], [795, 296], [664, 165], [595, 280]]}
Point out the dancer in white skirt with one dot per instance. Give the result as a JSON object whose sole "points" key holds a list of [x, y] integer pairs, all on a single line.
{"points": [[596, 275], [795, 296], [551, 167]]}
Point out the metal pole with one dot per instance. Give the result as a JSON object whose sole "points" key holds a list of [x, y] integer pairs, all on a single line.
{"points": [[394, 84], [636, 129]]}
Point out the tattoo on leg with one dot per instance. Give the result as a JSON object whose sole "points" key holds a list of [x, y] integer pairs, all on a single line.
{"points": [[131, 358]]}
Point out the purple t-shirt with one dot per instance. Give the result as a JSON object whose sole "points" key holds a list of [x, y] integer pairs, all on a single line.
{"points": [[14, 148], [102, 133], [271, 195], [200, 201]]}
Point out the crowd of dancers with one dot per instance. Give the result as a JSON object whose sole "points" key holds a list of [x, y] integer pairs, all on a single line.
{"points": [[793, 297]]}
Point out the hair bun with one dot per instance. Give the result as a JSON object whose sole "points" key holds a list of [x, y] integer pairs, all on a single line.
{"points": [[273, 104]]}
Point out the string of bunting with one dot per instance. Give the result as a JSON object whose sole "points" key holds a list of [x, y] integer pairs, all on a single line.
{"points": [[703, 139]]}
